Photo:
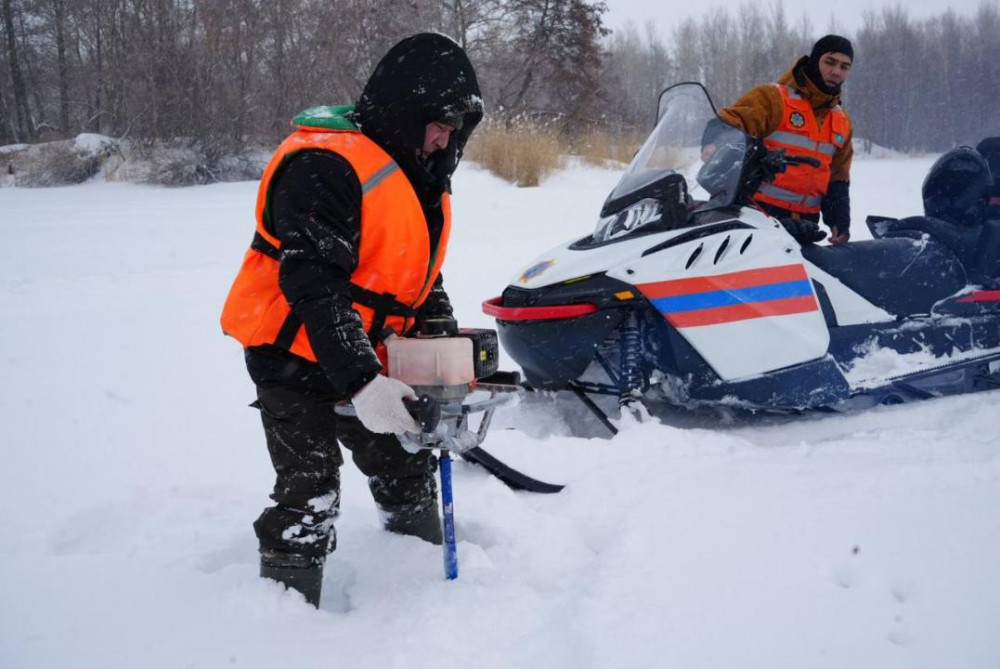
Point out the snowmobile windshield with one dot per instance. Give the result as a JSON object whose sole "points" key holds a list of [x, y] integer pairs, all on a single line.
{"points": [[690, 140]]}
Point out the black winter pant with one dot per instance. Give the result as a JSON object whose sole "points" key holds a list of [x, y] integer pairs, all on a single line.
{"points": [[302, 432]]}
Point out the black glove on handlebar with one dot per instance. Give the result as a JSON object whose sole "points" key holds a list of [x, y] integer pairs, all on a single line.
{"points": [[804, 231]]}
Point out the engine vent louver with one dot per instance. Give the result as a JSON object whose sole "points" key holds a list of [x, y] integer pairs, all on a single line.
{"points": [[722, 249], [746, 244], [697, 233], [694, 256]]}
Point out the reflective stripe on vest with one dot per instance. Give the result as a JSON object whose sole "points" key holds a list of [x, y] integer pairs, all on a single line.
{"points": [[396, 265], [803, 142], [800, 188], [380, 176], [787, 197]]}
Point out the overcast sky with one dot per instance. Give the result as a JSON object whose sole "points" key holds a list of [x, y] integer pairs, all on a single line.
{"points": [[668, 13]]}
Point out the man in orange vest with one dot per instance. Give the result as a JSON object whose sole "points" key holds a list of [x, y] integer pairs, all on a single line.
{"points": [[353, 219], [801, 114]]}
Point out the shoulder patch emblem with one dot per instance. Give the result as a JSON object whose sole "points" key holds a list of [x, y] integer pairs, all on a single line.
{"points": [[797, 119], [838, 138], [536, 270]]}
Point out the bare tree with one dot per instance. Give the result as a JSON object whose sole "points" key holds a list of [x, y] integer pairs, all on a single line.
{"points": [[545, 56], [6, 130], [224, 74], [25, 124], [637, 68], [59, 21]]}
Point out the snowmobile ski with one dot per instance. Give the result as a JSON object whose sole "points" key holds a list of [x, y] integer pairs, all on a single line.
{"points": [[512, 478]]}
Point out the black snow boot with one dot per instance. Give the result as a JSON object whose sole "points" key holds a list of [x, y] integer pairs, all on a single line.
{"points": [[424, 523], [299, 572]]}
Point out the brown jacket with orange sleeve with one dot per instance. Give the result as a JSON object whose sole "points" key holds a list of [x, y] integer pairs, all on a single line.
{"points": [[758, 112]]}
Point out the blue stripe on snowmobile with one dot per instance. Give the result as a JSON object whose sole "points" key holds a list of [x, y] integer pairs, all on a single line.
{"points": [[726, 298]]}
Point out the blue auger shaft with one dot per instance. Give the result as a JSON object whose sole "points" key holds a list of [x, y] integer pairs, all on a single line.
{"points": [[447, 501]]}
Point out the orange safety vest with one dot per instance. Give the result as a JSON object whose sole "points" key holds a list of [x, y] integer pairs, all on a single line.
{"points": [[800, 188], [396, 268]]}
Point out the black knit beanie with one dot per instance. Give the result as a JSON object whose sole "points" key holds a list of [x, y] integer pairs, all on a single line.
{"points": [[827, 44], [832, 44]]}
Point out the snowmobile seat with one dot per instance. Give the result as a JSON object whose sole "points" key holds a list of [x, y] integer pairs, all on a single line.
{"points": [[977, 248], [901, 275], [961, 240]]}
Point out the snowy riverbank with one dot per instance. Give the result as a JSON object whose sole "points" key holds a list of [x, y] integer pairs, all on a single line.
{"points": [[132, 470]]}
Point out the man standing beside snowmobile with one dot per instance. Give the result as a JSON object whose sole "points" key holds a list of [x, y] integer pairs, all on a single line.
{"points": [[353, 220], [801, 114]]}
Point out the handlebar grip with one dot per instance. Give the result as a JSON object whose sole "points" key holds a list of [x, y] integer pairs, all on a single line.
{"points": [[802, 160], [426, 410]]}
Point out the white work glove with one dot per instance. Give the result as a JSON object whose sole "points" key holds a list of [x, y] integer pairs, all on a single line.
{"points": [[380, 408]]}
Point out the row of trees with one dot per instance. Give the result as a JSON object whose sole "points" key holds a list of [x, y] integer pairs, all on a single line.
{"points": [[918, 85], [727, 51], [930, 84], [226, 73]]}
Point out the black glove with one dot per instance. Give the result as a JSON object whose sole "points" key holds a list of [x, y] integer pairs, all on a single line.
{"points": [[803, 230], [837, 207]]}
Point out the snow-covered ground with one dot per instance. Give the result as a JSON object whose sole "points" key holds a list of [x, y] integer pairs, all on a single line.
{"points": [[132, 469]]}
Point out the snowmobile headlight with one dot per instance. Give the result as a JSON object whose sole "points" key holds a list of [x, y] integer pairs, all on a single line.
{"points": [[628, 219]]}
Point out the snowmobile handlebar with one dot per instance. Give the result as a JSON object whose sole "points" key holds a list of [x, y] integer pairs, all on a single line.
{"points": [[765, 165], [802, 160], [776, 160]]}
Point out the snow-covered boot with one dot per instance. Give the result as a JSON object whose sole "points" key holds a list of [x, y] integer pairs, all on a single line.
{"points": [[423, 523], [299, 572]]}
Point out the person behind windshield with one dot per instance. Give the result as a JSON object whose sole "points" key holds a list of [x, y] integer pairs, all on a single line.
{"points": [[802, 115]]}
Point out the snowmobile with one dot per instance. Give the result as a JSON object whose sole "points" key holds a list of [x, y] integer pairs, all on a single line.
{"points": [[687, 293]]}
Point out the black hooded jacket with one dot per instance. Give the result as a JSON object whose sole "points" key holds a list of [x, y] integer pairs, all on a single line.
{"points": [[316, 211], [424, 78]]}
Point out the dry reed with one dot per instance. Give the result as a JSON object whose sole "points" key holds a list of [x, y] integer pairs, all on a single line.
{"points": [[518, 151], [524, 153]]}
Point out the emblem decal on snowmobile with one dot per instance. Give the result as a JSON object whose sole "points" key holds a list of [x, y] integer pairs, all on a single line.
{"points": [[535, 270], [739, 296], [797, 119]]}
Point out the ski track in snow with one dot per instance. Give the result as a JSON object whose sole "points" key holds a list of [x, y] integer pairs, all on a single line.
{"points": [[133, 469]]}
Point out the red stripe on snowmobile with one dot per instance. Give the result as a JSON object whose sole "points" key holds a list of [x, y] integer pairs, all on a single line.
{"points": [[745, 279], [982, 296], [742, 312], [492, 308]]}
